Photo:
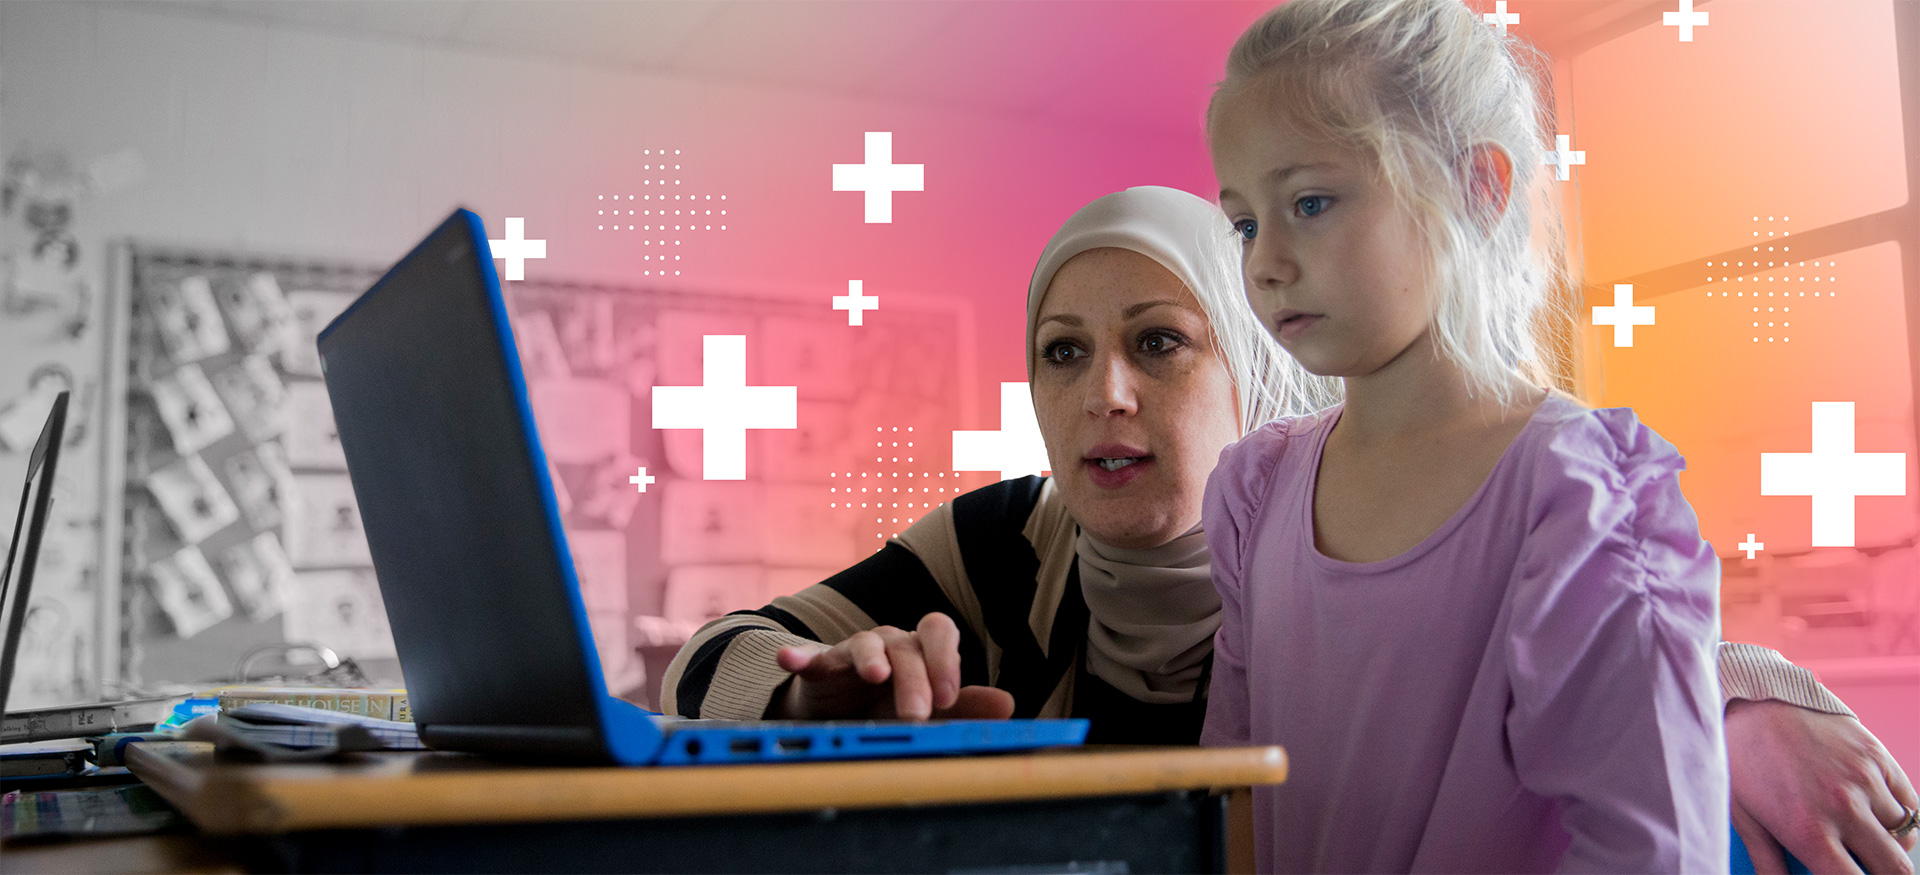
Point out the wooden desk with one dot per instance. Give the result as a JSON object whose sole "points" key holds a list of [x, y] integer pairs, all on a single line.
{"points": [[1146, 810]]}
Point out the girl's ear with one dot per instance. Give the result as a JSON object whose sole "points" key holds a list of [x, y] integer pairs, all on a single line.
{"points": [[1489, 183]]}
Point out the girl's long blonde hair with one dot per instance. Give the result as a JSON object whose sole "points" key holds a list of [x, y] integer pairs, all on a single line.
{"points": [[1416, 85]]}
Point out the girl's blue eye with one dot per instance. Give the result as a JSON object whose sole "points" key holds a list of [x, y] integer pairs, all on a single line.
{"points": [[1312, 205], [1246, 229]]}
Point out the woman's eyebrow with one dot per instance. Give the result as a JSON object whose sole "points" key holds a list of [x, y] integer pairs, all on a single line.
{"points": [[1068, 319], [1144, 306]]}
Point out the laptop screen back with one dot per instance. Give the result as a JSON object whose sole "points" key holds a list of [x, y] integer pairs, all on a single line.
{"points": [[28, 525], [446, 466]]}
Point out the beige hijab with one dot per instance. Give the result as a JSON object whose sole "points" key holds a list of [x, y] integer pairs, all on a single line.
{"points": [[1154, 611]]}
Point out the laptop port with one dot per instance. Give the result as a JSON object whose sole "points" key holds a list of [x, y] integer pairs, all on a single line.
{"points": [[801, 744], [885, 739], [744, 745], [693, 747]]}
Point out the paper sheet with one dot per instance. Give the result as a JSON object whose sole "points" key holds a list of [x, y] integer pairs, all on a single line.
{"points": [[192, 498], [341, 610], [191, 410], [186, 588], [324, 526]]}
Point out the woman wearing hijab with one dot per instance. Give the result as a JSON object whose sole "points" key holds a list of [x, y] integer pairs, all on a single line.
{"points": [[1087, 594]]}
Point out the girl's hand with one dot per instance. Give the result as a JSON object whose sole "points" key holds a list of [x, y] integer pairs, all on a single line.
{"points": [[1818, 784], [853, 679]]}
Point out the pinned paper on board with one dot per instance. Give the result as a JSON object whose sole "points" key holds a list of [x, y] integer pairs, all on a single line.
{"points": [[189, 592], [809, 354], [192, 499], [819, 443], [609, 494], [313, 440], [805, 536], [254, 396], [682, 346], [311, 312], [600, 562], [699, 594], [541, 356], [581, 420], [586, 334], [188, 321], [711, 522], [341, 610], [262, 485], [191, 409], [259, 571], [323, 525], [257, 311]]}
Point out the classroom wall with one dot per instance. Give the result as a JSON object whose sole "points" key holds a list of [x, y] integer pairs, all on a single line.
{"points": [[268, 138]]}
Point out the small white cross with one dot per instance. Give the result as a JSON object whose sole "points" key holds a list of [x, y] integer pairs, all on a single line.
{"points": [[879, 177], [1833, 474], [1016, 450], [516, 249], [642, 479], [1500, 17], [1563, 157], [1751, 546], [854, 303], [724, 407], [1623, 315], [1686, 19]]}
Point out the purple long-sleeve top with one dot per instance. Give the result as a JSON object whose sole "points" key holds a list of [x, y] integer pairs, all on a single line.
{"points": [[1531, 688]]}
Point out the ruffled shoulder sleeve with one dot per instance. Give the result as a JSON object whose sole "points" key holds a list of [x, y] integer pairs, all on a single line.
{"points": [[1614, 607]]}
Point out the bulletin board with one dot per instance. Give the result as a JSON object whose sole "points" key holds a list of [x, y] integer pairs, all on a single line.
{"points": [[240, 525]]}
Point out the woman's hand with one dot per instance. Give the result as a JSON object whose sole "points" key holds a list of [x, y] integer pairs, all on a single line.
{"points": [[1818, 784], [921, 670]]}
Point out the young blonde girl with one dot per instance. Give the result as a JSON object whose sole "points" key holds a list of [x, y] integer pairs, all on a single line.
{"points": [[1479, 615]]}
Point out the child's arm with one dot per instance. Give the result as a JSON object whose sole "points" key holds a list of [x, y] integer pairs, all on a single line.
{"points": [[1235, 491], [1616, 706]]}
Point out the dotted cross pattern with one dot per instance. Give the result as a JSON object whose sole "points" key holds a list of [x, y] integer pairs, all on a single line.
{"points": [[897, 499], [660, 211], [1833, 474], [724, 407], [1778, 313], [1016, 450], [516, 249], [879, 177]]}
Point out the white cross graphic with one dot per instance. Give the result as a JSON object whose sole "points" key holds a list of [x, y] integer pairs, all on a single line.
{"points": [[1623, 315], [724, 407], [879, 177], [1016, 450], [1686, 19], [516, 249], [854, 303], [1750, 545], [1833, 474], [1500, 17], [1563, 157], [642, 479]]}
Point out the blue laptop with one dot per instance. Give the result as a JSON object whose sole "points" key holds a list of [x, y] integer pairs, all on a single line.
{"points": [[473, 564]]}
